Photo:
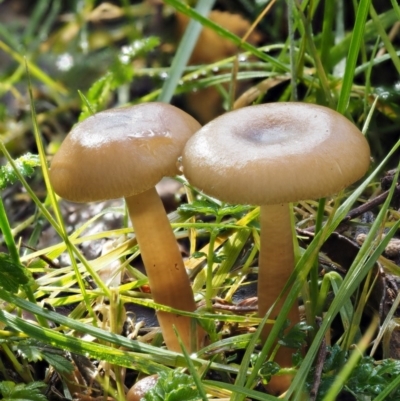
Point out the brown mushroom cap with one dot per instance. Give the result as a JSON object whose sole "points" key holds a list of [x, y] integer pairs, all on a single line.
{"points": [[120, 152], [140, 388], [275, 153]]}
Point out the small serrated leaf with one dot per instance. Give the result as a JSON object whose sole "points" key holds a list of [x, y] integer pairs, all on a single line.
{"points": [[233, 209], [122, 68], [198, 255], [59, 363], [96, 96], [6, 388], [22, 392], [121, 72], [268, 369], [29, 352], [25, 165], [199, 207], [296, 337], [183, 393], [173, 386], [12, 274]]}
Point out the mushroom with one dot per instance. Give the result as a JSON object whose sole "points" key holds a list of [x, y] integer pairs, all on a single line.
{"points": [[141, 388], [124, 152], [270, 155]]}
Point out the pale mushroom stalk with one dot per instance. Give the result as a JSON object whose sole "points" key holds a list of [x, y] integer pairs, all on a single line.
{"points": [[276, 262], [276, 259], [165, 270]]}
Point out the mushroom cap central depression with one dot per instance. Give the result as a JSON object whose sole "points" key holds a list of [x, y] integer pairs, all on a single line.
{"points": [[120, 152], [276, 153]]}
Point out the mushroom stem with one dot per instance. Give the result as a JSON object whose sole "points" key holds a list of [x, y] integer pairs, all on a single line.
{"points": [[165, 269], [276, 263]]}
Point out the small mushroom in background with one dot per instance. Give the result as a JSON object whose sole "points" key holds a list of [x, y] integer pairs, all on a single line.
{"points": [[206, 103], [270, 155], [125, 152], [141, 387]]}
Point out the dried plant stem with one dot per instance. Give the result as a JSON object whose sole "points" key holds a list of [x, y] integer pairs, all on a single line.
{"points": [[165, 269]]}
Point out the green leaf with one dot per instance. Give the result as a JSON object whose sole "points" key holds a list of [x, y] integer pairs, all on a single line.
{"points": [[184, 51], [26, 166], [12, 274], [29, 351], [198, 255], [233, 209], [255, 395], [354, 48], [368, 379], [371, 378], [22, 392], [173, 386], [269, 369], [96, 96], [59, 362], [207, 207], [199, 207], [122, 71], [336, 358], [53, 357], [296, 337], [139, 48]]}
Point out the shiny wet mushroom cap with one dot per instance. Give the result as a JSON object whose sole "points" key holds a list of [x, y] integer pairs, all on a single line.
{"points": [[273, 153], [141, 388], [120, 152]]}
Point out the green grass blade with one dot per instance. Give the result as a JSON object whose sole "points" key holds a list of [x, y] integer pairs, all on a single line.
{"points": [[184, 52], [396, 7], [324, 83], [241, 378], [291, 31], [7, 234], [340, 51], [231, 249], [40, 22], [75, 325], [141, 362], [244, 392], [347, 310], [36, 71], [61, 228], [385, 39], [161, 356], [327, 37], [192, 369], [388, 389], [354, 49]]}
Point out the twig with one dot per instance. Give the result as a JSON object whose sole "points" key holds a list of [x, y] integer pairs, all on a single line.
{"points": [[366, 207], [245, 306], [319, 365]]}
